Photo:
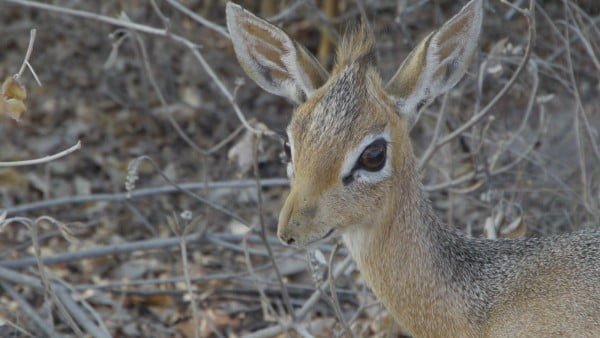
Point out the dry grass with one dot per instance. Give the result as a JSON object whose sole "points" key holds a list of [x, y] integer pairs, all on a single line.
{"points": [[153, 91]]}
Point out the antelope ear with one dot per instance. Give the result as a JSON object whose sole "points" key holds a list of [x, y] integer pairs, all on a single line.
{"points": [[276, 62], [439, 61]]}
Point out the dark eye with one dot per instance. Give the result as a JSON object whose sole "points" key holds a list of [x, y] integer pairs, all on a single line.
{"points": [[373, 157], [287, 150]]}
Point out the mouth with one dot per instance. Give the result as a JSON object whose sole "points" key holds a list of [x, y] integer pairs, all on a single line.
{"points": [[324, 237]]}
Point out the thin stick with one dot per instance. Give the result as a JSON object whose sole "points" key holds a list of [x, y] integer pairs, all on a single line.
{"points": [[308, 305], [125, 285], [529, 15], [50, 289], [144, 192], [228, 95], [293, 8], [44, 159], [159, 94], [20, 279], [265, 304], [263, 233], [188, 282], [585, 186], [113, 249], [27, 56], [166, 21], [221, 239], [219, 29], [79, 314], [42, 325], [94, 16], [436, 134], [15, 326], [333, 291], [532, 96]]}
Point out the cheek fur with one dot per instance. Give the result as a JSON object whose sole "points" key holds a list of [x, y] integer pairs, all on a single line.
{"points": [[350, 207]]}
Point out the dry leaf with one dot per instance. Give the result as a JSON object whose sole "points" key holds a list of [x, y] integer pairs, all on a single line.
{"points": [[498, 226], [12, 89], [243, 151], [82, 186], [237, 228], [516, 229], [13, 95], [208, 319], [12, 178], [320, 257], [191, 96], [187, 328], [157, 300], [494, 64], [322, 327], [489, 229]]}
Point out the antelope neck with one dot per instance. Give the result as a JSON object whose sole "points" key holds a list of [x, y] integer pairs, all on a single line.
{"points": [[402, 257]]}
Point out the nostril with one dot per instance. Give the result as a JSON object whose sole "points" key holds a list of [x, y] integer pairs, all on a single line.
{"points": [[287, 240]]}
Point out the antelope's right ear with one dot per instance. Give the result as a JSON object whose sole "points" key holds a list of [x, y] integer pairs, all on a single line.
{"points": [[276, 62], [439, 61]]}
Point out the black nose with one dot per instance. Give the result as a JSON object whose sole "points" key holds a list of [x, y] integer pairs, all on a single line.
{"points": [[288, 240]]}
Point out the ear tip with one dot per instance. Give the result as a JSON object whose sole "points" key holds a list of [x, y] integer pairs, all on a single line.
{"points": [[232, 6], [474, 9], [477, 5], [232, 9]]}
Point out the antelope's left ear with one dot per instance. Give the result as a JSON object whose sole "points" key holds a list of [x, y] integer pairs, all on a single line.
{"points": [[439, 61], [276, 62]]}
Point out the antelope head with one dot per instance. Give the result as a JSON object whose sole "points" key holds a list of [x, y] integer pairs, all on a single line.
{"points": [[348, 140]]}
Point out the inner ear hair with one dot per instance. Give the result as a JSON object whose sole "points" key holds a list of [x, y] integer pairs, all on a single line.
{"points": [[271, 58], [439, 61]]}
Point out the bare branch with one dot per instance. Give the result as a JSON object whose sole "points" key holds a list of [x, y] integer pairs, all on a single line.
{"points": [[144, 192], [44, 159], [26, 59]]}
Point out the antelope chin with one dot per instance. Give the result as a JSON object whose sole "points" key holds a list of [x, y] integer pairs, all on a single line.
{"points": [[315, 242]]}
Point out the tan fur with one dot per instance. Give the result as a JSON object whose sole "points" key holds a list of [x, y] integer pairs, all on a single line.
{"points": [[435, 281], [271, 58], [356, 46], [406, 78], [315, 74]]}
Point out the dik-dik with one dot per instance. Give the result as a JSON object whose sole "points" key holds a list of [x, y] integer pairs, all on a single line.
{"points": [[353, 174]]}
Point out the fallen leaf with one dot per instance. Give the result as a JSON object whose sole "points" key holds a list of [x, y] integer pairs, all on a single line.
{"points": [[243, 151], [13, 96], [516, 229], [12, 89], [12, 178], [150, 300], [494, 62]]}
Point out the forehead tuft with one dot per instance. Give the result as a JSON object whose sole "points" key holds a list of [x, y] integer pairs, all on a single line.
{"points": [[348, 104], [357, 46]]}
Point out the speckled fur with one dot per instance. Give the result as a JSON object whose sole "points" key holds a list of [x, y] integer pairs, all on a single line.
{"points": [[435, 281]]}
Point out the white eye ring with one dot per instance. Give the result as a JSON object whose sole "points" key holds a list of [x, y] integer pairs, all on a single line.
{"points": [[290, 170], [290, 165], [361, 175]]}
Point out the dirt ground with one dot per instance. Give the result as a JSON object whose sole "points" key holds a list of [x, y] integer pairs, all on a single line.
{"points": [[128, 252]]}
